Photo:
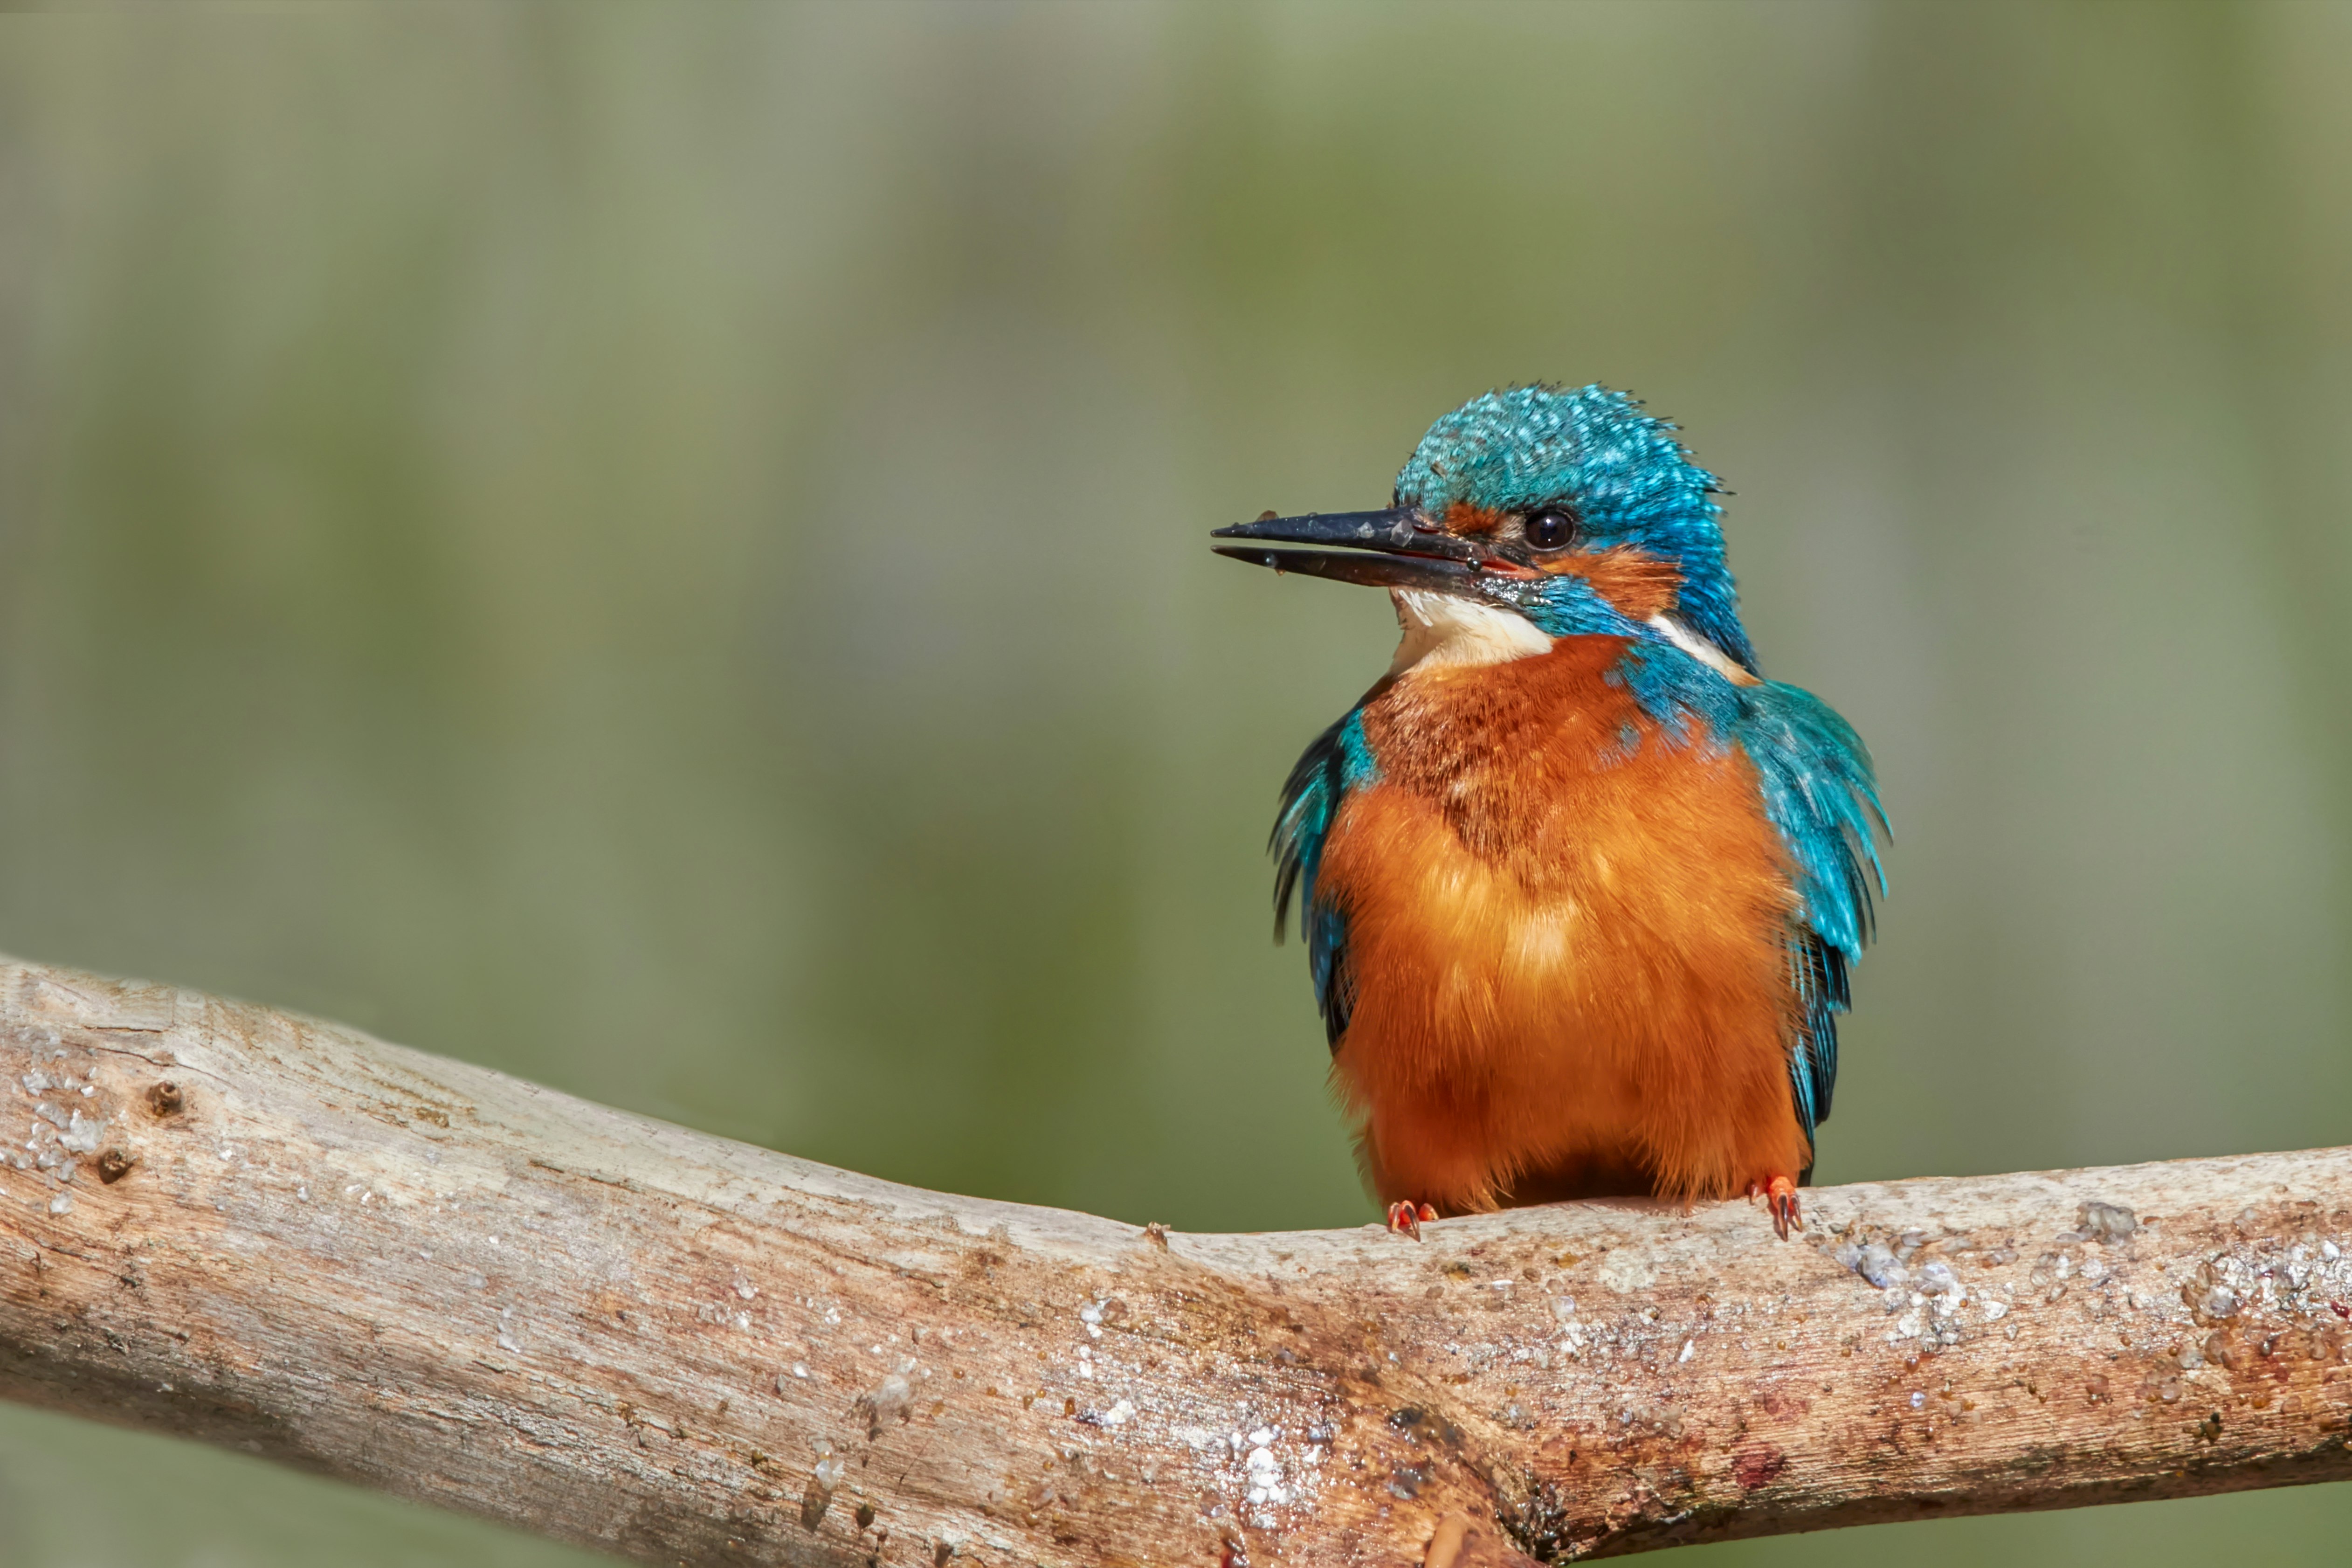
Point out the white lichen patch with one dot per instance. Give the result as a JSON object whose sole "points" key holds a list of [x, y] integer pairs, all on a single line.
{"points": [[890, 1400], [1264, 1473], [1626, 1270]]}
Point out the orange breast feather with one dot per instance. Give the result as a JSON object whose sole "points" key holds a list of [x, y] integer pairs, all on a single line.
{"points": [[1567, 959]]}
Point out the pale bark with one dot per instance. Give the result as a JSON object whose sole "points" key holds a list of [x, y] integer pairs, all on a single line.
{"points": [[447, 1284]]}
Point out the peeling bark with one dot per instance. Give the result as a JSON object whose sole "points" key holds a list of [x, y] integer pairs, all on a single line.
{"points": [[282, 1237]]}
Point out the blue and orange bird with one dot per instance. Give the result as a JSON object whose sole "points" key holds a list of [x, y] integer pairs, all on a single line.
{"points": [[1579, 886]]}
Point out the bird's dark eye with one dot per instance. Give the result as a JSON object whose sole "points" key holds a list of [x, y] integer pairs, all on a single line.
{"points": [[1550, 529]]}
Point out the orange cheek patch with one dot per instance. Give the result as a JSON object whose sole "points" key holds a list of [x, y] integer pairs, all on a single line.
{"points": [[1462, 517], [1638, 584]]}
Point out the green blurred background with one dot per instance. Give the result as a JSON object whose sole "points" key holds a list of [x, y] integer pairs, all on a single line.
{"points": [[661, 550]]}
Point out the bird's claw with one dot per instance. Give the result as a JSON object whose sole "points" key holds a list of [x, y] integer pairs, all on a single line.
{"points": [[1406, 1217], [1780, 1196]]}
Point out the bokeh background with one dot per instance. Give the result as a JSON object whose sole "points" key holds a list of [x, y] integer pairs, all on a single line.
{"points": [[661, 548]]}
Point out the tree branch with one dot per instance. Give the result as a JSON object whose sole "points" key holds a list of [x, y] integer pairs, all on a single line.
{"points": [[282, 1237]]}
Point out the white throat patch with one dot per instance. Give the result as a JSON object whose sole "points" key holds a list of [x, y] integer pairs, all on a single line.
{"points": [[1443, 631]]}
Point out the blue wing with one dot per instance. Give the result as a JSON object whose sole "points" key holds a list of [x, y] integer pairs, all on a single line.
{"points": [[1822, 796], [1338, 761]]}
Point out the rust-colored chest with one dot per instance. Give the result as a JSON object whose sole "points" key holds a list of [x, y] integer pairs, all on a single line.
{"points": [[1506, 754], [1566, 939]]}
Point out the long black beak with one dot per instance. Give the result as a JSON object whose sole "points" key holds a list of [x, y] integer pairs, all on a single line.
{"points": [[1393, 549]]}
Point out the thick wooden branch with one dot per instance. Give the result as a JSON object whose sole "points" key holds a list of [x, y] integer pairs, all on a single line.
{"points": [[282, 1237]]}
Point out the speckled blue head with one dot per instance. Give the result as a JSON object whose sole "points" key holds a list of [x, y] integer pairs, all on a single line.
{"points": [[1619, 470]]}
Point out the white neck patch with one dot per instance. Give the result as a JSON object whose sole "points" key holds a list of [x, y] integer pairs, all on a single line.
{"points": [[1443, 631], [1700, 649]]}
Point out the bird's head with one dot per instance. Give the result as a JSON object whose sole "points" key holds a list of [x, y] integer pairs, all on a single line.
{"points": [[1530, 514]]}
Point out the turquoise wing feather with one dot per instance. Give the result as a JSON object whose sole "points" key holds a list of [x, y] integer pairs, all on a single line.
{"points": [[1822, 797], [1338, 761]]}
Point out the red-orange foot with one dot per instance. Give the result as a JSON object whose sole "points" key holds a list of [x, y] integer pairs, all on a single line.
{"points": [[1780, 1196], [1405, 1218]]}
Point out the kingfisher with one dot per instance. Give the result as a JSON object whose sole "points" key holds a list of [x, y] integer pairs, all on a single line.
{"points": [[1580, 888]]}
